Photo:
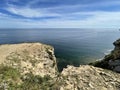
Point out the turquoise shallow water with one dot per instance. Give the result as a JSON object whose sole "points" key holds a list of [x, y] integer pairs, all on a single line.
{"points": [[72, 46]]}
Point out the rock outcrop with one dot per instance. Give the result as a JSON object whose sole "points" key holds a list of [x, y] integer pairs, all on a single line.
{"points": [[32, 66], [34, 58], [112, 60], [88, 77]]}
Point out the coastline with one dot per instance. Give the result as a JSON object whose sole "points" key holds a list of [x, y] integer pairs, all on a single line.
{"points": [[35, 64], [34, 67]]}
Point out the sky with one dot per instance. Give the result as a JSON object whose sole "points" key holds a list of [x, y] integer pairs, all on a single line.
{"points": [[59, 13]]}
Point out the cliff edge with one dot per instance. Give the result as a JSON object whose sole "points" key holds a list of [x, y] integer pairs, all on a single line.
{"points": [[32, 66], [112, 60], [35, 58]]}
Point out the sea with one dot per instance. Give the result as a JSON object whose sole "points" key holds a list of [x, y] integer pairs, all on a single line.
{"points": [[73, 46]]}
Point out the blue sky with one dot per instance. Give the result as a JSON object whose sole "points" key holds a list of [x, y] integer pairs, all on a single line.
{"points": [[59, 13]]}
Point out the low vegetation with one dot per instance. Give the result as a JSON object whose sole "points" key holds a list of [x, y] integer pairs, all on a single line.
{"points": [[11, 79]]}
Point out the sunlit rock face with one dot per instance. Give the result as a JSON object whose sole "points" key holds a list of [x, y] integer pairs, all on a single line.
{"points": [[87, 77], [35, 58]]}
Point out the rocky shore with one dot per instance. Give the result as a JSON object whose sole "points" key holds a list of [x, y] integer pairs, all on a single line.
{"points": [[112, 60], [33, 66]]}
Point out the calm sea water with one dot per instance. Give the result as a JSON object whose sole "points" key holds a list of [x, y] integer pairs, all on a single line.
{"points": [[72, 46]]}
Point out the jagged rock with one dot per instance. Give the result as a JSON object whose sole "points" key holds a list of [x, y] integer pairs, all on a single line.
{"points": [[88, 77], [116, 51], [35, 58], [117, 43], [112, 60]]}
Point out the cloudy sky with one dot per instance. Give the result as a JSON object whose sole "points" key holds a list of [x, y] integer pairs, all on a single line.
{"points": [[59, 13]]}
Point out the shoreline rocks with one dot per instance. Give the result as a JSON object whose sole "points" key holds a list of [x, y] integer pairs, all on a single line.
{"points": [[112, 60]]}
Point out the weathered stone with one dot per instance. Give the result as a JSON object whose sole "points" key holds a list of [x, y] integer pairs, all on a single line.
{"points": [[88, 77], [32, 58]]}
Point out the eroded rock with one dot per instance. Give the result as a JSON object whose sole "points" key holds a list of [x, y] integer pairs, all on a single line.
{"points": [[88, 77], [35, 58]]}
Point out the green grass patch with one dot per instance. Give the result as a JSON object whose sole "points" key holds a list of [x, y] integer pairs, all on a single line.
{"points": [[7, 72]]}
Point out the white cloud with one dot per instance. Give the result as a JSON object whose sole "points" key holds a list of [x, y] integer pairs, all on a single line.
{"points": [[88, 5], [94, 19], [30, 13], [97, 19], [2, 15]]}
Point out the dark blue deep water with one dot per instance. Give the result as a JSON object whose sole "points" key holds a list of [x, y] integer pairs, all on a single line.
{"points": [[72, 46]]}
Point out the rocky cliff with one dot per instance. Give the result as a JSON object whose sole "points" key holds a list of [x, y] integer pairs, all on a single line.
{"points": [[22, 65], [32, 66], [88, 77], [34, 58], [112, 60]]}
